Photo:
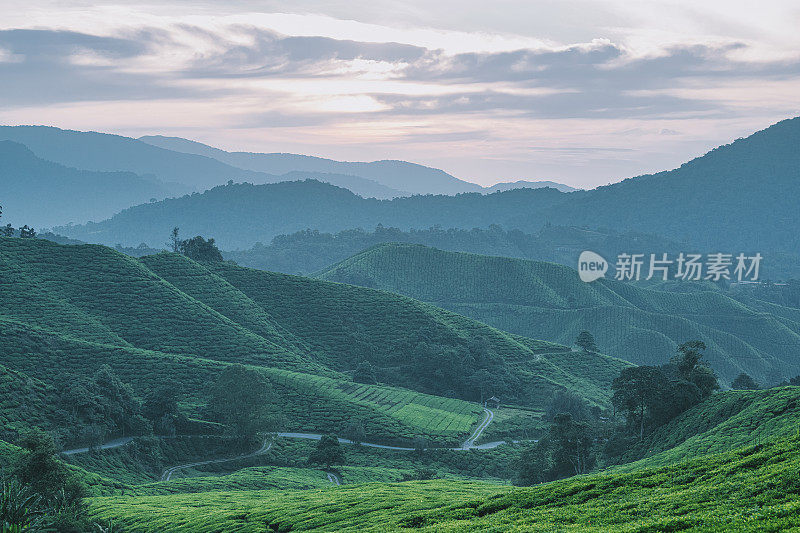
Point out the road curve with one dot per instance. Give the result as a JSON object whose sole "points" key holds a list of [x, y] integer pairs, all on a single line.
{"points": [[169, 471], [470, 442], [333, 478]]}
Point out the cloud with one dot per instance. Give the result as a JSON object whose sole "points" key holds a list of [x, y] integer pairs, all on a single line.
{"points": [[597, 79]]}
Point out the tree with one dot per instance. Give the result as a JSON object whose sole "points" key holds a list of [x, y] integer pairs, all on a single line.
{"points": [[572, 446], [39, 469], [7, 230], [364, 373], [161, 401], [688, 362], [637, 391], [174, 240], [328, 452], [688, 357], [199, 249], [242, 398], [354, 431], [585, 341], [795, 381], [566, 402], [119, 403], [536, 464], [26, 232], [481, 381], [744, 382]]}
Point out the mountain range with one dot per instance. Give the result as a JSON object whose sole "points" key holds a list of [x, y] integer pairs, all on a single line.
{"points": [[737, 198]]}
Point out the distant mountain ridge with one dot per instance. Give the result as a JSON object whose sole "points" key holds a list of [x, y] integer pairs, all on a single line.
{"points": [[741, 196], [527, 184], [398, 175]]}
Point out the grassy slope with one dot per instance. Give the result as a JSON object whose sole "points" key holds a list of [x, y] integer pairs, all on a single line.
{"points": [[545, 300], [749, 489], [312, 403]]}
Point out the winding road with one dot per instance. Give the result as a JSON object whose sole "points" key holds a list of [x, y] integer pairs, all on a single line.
{"points": [[169, 471], [468, 444]]}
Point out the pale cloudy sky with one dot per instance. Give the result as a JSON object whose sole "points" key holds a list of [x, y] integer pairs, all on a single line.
{"points": [[580, 91]]}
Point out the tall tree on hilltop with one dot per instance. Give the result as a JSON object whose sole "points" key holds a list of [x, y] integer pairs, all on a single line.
{"points": [[175, 240], [585, 341], [199, 249]]}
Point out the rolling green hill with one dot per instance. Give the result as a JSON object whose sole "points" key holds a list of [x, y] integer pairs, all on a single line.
{"points": [[548, 301], [167, 320]]}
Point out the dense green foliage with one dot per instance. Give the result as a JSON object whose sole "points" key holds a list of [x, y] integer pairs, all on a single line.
{"points": [[548, 301]]}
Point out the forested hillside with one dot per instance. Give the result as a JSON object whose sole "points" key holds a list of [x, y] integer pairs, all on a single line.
{"points": [[309, 251], [241, 214], [545, 300], [741, 196]]}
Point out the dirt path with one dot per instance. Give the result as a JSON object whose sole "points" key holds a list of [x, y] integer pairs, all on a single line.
{"points": [[333, 478], [470, 442]]}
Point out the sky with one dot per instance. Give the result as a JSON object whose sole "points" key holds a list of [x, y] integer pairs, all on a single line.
{"points": [[584, 92]]}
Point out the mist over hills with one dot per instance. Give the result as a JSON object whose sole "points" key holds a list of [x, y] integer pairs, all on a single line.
{"points": [[397, 175]]}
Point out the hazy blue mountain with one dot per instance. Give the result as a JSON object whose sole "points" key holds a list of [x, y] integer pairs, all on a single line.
{"points": [[105, 152], [742, 196], [526, 184], [41, 193], [239, 215], [398, 175]]}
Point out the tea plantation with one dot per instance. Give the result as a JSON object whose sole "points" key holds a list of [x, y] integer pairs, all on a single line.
{"points": [[754, 488], [548, 301]]}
